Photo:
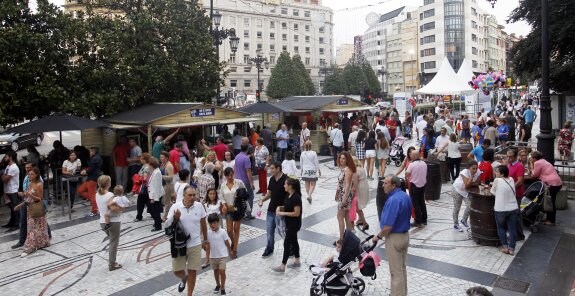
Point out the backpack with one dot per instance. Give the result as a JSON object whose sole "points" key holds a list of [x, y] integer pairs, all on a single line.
{"points": [[368, 265], [240, 203]]}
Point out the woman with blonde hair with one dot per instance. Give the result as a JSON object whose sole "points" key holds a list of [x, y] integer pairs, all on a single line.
{"points": [[103, 197], [361, 187], [310, 170]]}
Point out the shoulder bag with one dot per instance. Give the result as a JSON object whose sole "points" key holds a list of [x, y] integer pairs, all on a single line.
{"points": [[36, 209], [547, 201]]}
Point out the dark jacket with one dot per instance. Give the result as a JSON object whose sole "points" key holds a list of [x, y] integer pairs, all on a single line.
{"points": [[94, 169]]}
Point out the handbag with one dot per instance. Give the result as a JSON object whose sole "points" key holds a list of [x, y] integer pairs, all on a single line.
{"points": [[547, 201], [36, 209]]}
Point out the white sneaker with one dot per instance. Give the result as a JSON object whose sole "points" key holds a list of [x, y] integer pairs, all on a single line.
{"points": [[23, 254], [456, 227]]}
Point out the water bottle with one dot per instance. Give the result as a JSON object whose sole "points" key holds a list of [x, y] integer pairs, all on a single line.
{"points": [[259, 212]]}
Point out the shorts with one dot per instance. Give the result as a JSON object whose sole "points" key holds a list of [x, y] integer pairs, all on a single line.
{"points": [[369, 153], [192, 261], [218, 263], [309, 175], [383, 153]]}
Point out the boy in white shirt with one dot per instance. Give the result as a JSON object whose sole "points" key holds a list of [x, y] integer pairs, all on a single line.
{"points": [[116, 205], [220, 249]]}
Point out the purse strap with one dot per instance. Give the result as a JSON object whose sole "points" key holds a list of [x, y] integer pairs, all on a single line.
{"points": [[512, 188]]}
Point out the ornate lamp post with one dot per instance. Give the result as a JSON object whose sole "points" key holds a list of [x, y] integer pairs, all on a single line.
{"points": [[259, 61], [219, 35], [545, 139]]}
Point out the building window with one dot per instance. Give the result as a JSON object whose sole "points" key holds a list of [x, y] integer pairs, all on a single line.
{"points": [[296, 49], [378, 42], [428, 52], [427, 39], [272, 47], [322, 29], [307, 28], [232, 59], [233, 69], [321, 40], [259, 46], [295, 12], [427, 2], [473, 11], [272, 36], [295, 27], [428, 13], [307, 39], [246, 33], [246, 58], [474, 50], [284, 47], [246, 22], [307, 61], [474, 64], [295, 38], [307, 50], [321, 51], [473, 37], [246, 46], [272, 10], [259, 23], [428, 65], [247, 83], [272, 25], [247, 69], [306, 13], [284, 37], [284, 10], [474, 24], [233, 83], [259, 35], [272, 60], [284, 25], [322, 61], [426, 27]]}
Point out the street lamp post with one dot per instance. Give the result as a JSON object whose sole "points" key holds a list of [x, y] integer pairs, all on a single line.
{"points": [[545, 138], [259, 61], [219, 35]]}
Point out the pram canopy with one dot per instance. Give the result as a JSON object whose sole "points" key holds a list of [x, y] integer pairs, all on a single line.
{"points": [[534, 190], [350, 248]]}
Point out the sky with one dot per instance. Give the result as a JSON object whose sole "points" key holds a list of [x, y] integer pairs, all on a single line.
{"points": [[352, 22]]}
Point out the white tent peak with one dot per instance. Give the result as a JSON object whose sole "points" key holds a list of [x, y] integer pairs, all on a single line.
{"points": [[445, 82], [465, 72]]}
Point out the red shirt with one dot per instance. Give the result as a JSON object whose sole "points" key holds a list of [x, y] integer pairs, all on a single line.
{"points": [[486, 172], [220, 151], [120, 153], [391, 125], [175, 159], [516, 170]]}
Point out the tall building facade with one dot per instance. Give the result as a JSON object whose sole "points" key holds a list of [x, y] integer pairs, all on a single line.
{"points": [[343, 54], [303, 27], [416, 40]]}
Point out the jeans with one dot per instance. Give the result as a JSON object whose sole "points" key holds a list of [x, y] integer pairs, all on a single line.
{"points": [[281, 154], [418, 201], [122, 176], [271, 229], [454, 166], [553, 190], [250, 199], [336, 151], [290, 244], [507, 223]]}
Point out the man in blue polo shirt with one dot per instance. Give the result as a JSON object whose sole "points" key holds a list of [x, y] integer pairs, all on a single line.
{"points": [[529, 115], [394, 226]]}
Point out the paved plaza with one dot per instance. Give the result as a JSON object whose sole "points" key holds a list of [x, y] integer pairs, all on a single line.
{"points": [[441, 261]]}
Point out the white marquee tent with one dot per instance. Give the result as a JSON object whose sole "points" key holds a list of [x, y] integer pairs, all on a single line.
{"points": [[465, 73], [445, 82]]}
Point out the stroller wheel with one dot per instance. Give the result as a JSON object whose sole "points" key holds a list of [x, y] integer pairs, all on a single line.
{"points": [[388, 161], [534, 229], [397, 163], [357, 286]]}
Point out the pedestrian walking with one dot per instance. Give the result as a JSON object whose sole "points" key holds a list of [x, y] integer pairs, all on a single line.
{"points": [[155, 193], [262, 157], [336, 136], [361, 187], [416, 172], [291, 210], [190, 216], [310, 169], [220, 248], [276, 194], [228, 191], [344, 193], [103, 198], [142, 191], [394, 226]]}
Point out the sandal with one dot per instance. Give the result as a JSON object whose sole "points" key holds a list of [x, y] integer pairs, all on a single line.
{"points": [[309, 199], [115, 266], [205, 265]]}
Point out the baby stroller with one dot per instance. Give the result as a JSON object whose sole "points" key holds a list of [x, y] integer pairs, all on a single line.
{"points": [[532, 206], [396, 153], [339, 278]]}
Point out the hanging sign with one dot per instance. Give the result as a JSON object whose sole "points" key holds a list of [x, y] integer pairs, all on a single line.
{"points": [[342, 102], [203, 112]]}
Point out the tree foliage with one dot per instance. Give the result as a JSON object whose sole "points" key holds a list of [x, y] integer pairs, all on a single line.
{"points": [[527, 52], [373, 84], [289, 78], [355, 78], [334, 83]]}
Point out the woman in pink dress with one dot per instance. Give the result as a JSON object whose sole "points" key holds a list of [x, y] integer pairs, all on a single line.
{"points": [[565, 141], [37, 235]]}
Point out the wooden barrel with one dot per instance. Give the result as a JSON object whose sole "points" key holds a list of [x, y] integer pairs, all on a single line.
{"points": [[465, 149], [433, 188], [482, 219]]}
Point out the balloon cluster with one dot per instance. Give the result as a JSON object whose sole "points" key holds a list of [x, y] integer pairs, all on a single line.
{"points": [[488, 81]]}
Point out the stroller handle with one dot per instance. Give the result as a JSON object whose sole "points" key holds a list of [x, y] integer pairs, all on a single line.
{"points": [[364, 242]]}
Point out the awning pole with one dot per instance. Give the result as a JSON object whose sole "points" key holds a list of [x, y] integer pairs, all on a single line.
{"points": [[149, 137]]}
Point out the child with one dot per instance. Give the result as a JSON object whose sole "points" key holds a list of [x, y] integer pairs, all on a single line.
{"points": [[116, 205], [213, 206], [221, 248], [288, 166], [333, 257]]}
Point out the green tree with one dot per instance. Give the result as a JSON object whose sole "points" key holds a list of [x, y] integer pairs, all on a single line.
{"points": [[354, 77], [527, 52], [334, 82], [283, 81], [304, 85], [34, 60], [143, 52], [373, 84]]}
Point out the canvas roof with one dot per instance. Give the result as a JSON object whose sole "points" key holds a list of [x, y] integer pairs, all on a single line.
{"points": [[445, 82], [465, 72]]}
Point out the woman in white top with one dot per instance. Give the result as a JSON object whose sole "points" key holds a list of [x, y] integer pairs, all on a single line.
{"points": [[180, 186], [468, 178], [288, 165], [155, 193], [361, 187], [228, 194], [310, 170], [228, 162], [453, 156], [167, 170], [103, 197], [506, 209], [70, 167]]}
